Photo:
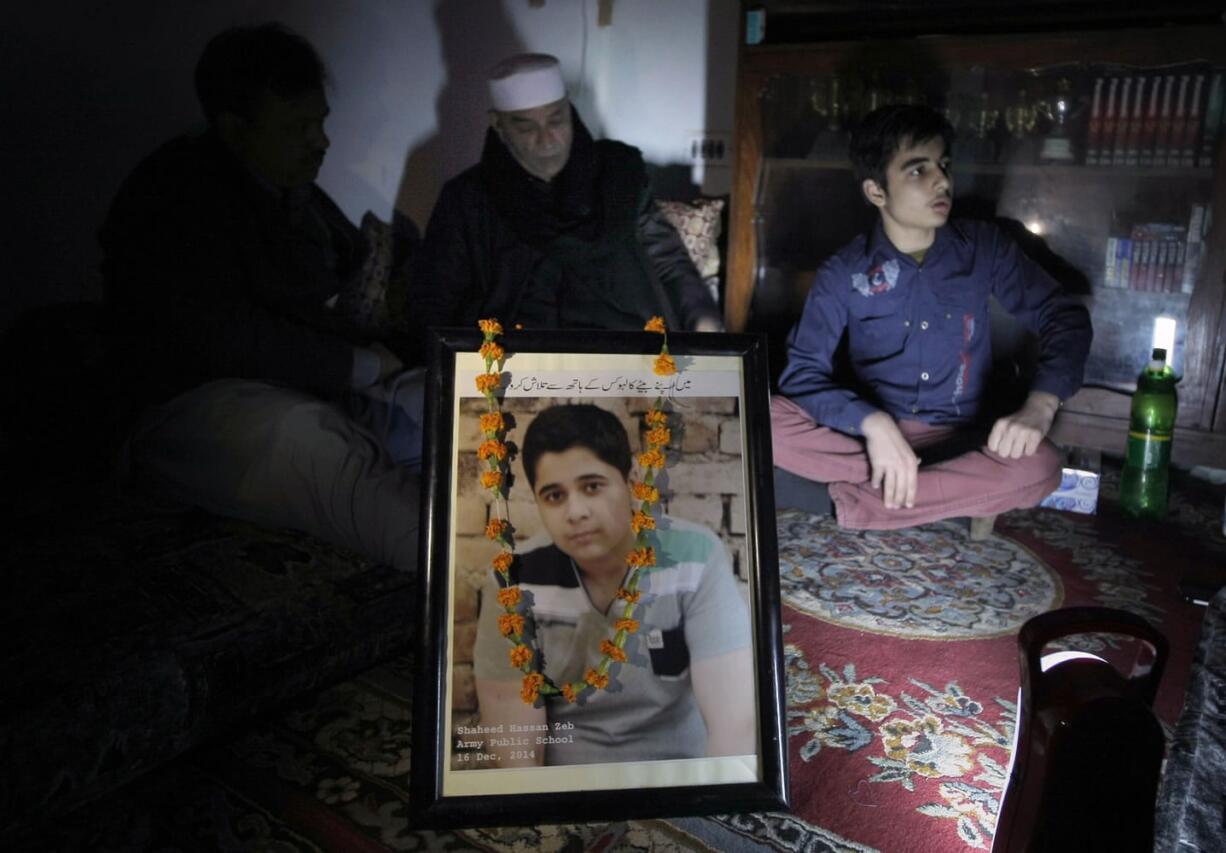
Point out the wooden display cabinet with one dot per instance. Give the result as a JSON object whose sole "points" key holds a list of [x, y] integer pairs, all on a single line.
{"points": [[1036, 152]]}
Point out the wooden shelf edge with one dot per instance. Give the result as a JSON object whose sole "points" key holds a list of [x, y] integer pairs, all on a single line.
{"points": [[1188, 448], [1196, 173]]}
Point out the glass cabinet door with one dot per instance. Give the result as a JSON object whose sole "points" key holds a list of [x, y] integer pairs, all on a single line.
{"points": [[1104, 173]]}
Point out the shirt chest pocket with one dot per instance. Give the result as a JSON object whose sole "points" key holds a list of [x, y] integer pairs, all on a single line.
{"points": [[877, 327], [960, 316], [670, 656]]}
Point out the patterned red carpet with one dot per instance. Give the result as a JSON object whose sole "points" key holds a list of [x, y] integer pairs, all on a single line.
{"points": [[902, 678], [902, 663]]}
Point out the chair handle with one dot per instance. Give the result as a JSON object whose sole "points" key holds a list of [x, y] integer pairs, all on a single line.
{"points": [[1054, 624]]}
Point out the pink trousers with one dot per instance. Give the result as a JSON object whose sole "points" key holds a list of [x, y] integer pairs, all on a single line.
{"points": [[968, 479]]}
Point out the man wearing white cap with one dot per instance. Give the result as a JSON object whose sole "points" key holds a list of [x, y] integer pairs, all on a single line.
{"points": [[552, 229]]}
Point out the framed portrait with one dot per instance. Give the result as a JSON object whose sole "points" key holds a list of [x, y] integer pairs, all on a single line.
{"points": [[599, 633]]}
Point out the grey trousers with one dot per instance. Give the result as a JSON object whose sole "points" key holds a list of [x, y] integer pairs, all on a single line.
{"points": [[280, 458]]}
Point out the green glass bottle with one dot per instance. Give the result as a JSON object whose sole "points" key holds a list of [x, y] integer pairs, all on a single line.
{"points": [[1144, 482]]}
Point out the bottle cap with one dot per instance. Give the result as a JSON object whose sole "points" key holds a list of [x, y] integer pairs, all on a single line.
{"points": [[1159, 354]]}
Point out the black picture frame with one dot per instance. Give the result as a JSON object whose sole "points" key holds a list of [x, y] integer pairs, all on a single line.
{"points": [[446, 794]]}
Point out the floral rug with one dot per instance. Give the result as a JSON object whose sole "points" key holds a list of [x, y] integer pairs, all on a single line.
{"points": [[902, 680]]}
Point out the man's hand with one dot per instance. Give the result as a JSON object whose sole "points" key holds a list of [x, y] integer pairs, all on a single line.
{"points": [[893, 463], [709, 324], [1020, 433]]}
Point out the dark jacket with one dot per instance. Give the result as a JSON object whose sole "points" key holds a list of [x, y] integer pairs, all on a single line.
{"points": [[496, 231], [211, 274]]}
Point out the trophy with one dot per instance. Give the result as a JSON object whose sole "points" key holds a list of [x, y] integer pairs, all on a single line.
{"points": [[1021, 117], [829, 111], [990, 130], [1057, 146]]}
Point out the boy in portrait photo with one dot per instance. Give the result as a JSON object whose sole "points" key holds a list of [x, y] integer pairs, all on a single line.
{"points": [[687, 687]]}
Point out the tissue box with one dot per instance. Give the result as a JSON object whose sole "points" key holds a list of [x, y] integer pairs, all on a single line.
{"points": [[1079, 479]]}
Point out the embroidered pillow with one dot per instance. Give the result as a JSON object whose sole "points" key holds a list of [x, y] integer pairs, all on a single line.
{"points": [[374, 301], [698, 223]]}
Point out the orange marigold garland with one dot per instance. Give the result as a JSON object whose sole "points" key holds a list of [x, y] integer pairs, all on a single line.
{"points": [[497, 529], [651, 458], [665, 366], [492, 447], [611, 649], [642, 521], [487, 383], [596, 678], [644, 492], [534, 685], [493, 452], [511, 624]]}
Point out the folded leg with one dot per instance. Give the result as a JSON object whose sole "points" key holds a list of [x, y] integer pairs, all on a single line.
{"points": [[280, 458], [966, 479]]}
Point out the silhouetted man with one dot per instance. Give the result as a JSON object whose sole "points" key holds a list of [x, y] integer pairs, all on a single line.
{"points": [[229, 271], [553, 229]]}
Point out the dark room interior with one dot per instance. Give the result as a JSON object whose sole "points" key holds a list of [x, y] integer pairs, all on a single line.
{"points": [[189, 676]]}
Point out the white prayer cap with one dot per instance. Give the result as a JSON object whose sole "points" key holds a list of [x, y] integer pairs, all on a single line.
{"points": [[526, 81]]}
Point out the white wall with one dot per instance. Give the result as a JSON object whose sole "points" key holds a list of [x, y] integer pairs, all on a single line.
{"points": [[91, 87]]}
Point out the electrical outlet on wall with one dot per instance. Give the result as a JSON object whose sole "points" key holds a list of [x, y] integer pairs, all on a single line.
{"points": [[712, 149]]}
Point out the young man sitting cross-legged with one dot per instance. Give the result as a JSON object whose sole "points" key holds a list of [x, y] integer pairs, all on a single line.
{"points": [[911, 301]]}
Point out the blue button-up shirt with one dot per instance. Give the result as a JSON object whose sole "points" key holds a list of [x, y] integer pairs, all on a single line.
{"points": [[917, 334]]}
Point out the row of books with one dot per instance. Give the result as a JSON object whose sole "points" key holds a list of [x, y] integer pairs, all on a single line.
{"points": [[1157, 257], [1157, 118]]}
